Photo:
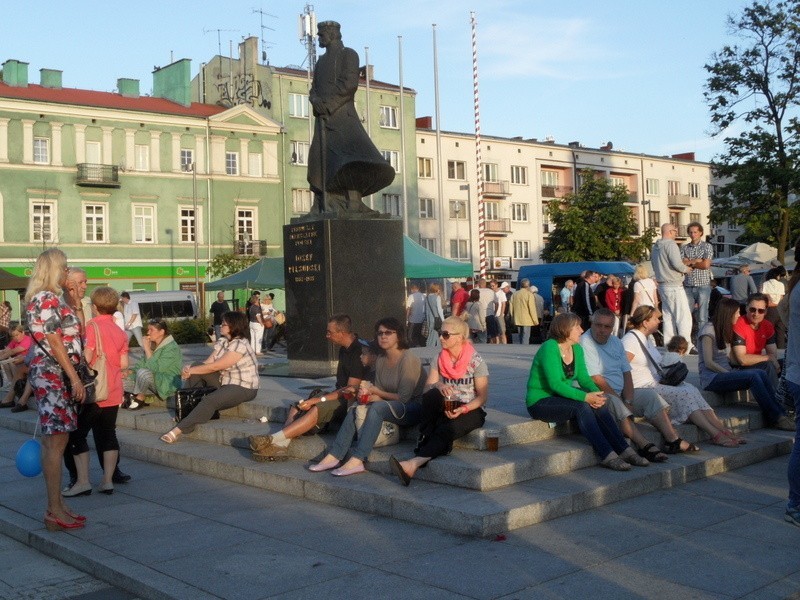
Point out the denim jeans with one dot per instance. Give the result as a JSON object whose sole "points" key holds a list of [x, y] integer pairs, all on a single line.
{"points": [[596, 424], [700, 295], [524, 334], [755, 380], [393, 411], [794, 459]]}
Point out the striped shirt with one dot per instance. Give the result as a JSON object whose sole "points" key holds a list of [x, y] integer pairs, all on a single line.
{"points": [[243, 372]]}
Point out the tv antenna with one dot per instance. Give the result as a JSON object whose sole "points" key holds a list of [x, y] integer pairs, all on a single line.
{"points": [[219, 37], [264, 44]]}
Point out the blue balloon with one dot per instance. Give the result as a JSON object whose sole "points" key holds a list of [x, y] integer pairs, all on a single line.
{"points": [[29, 458]]}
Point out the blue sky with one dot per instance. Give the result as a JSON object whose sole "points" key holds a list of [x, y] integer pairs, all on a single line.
{"points": [[626, 71]]}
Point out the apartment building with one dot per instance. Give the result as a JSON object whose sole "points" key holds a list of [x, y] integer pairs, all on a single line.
{"points": [[522, 177]]}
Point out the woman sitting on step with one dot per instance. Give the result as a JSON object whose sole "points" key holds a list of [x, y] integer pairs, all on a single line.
{"points": [[718, 375], [394, 397], [686, 402], [461, 378], [552, 396], [233, 363], [159, 372]]}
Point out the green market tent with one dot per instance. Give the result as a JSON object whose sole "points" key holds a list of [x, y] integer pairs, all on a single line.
{"points": [[9, 281], [419, 264]]}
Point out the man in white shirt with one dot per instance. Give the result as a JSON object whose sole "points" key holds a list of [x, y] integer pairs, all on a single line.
{"points": [[415, 315], [133, 318]]}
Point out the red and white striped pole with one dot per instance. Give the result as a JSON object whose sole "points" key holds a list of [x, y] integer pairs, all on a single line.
{"points": [[478, 160]]}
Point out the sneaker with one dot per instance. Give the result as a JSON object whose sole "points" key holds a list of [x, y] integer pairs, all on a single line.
{"points": [[792, 516], [616, 464], [271, 453], [693, 352], [259, 443], [784, 423]]}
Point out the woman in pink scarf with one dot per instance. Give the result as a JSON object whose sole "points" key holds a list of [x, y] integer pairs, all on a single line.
{"points": [[462, 378]]}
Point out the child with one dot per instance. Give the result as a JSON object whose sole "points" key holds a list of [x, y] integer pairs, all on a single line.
{"points": [[677, 347], [370, 351]]}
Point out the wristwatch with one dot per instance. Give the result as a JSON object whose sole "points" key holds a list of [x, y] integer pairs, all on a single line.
{"points": [[323, 399]]}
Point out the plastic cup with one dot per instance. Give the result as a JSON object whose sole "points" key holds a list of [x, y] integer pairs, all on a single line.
{"points": [[492, 440]]}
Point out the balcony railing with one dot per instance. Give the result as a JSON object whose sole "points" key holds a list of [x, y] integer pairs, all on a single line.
{"points": [[679, 200], [633, 197], [251, 248], [498, 226], [556, 191], [98, 175], [496, 188]]}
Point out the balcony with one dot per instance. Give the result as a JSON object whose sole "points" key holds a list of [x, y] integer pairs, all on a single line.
{"points": [[678, 200], [498, 189], [556, 191], [98, 175], [497, 226], [633, 198], [683, 231], [250, 248]]}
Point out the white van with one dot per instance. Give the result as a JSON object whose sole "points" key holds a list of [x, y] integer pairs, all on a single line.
{"points": [[166, 305]]}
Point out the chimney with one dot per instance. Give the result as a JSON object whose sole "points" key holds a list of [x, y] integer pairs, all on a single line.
{"points": [[128, 87], [248, 55], [50, 78], [173, 82], [574, 144], [424, 122], [684, 156], [15, 73]]}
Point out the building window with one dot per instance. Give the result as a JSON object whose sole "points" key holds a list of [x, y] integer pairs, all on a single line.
{"points": [[653, 219], [492, 211], [519, 175], [426, 208], [143, 224], [94, 223], [492, 248], [458, 249], [42, 223], [141, 154], [388, 117], [393, 158], [490, 172], [694, 218], [519, 212], [188, 225], [231, 163], [425, 166], [458, 210], [428, 243], [456, 169], [673, 188], [651, 187], [41, 151], [298, 106], [245, 224], [93, 153], [550, 178], [187, 159], [391, 205], [299, 153], [301, 201], [547, 226], [618, 181], [255, 164], [522, 250], [694, 190]]}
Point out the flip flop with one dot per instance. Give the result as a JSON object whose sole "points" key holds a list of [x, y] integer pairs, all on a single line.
{"points": [[404, 477]]}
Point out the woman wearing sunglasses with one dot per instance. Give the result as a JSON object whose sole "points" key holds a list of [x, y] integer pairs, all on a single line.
{"points": [[394, 397], [718, 375], [462, 378]]}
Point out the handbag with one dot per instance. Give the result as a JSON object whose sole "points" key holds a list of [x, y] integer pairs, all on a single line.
{"points": [[437, 320], [187, 399], [389, 434], [672, 375], [86, 374], [99, 366]]}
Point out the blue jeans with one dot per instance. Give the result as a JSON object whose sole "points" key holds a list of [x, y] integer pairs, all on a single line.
{"points": [[393, 411], [755, 380], [700, 295], [794, 459], [596, 424], [524, 334]]}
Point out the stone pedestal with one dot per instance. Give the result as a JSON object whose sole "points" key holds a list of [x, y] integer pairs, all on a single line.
{"points": [[339, 266]]}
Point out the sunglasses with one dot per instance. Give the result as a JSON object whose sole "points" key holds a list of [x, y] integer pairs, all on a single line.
{"points": [[446, 335], [754, 310], [385, 332]]}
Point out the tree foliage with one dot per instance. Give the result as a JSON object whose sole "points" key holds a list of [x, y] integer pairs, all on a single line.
{"points": [[595, 224], [753, 88], [226, 264]]}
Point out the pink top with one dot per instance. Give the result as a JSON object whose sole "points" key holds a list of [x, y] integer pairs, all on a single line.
{"points": [[115, 344], [25, 344]]}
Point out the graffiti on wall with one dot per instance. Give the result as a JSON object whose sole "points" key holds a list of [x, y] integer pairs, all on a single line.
{"points": [[246, 89]]}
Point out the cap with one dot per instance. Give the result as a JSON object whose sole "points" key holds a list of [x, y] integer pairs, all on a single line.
{"points": [[534, 288], [505, 284]]}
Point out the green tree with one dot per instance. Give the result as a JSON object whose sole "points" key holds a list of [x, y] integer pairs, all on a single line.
{"points": [[226, 264], [595, 224], [753, 87]]}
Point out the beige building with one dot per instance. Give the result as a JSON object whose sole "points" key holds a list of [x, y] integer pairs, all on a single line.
{"points": [[521, 177]]}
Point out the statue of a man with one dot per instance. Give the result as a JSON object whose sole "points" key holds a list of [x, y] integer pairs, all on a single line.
{"points": [[343, 164]]}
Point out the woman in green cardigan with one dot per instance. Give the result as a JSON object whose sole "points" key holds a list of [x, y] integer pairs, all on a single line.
{"points": [[553, 396], [159, 372]]}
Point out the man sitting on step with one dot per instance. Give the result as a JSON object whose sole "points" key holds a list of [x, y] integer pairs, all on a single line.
{"points": [[608, 366], [314, 415]]}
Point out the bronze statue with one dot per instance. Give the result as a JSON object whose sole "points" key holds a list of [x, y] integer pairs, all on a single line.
{"points": [[343, 164]]}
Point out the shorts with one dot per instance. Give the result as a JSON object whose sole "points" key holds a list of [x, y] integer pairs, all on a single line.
{"points": [[646, 403], [333, 410], [492, 326]]}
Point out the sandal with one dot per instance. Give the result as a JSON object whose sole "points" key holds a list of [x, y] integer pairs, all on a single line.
{"points": [[720, 439], [674, 447], [652, 453], [734, 437], [170, 437]]}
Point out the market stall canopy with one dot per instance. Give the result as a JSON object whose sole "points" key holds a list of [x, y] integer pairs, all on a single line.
{"points": [[755, 254], [266, 273], [9, 281], [424, 264]]}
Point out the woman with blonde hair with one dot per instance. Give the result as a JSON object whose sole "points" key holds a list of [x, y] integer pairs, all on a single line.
{"points": [[56, 329], [645, 292], [433, 309]]}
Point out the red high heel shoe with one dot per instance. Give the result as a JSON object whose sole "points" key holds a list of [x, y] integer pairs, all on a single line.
{"points": [[81, 518], [53, 523]]}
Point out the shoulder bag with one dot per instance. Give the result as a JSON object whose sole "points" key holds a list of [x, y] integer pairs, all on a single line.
{"points": [[672, 375], [187, 399], [87, 375], [437, 320], [99, 366]]}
